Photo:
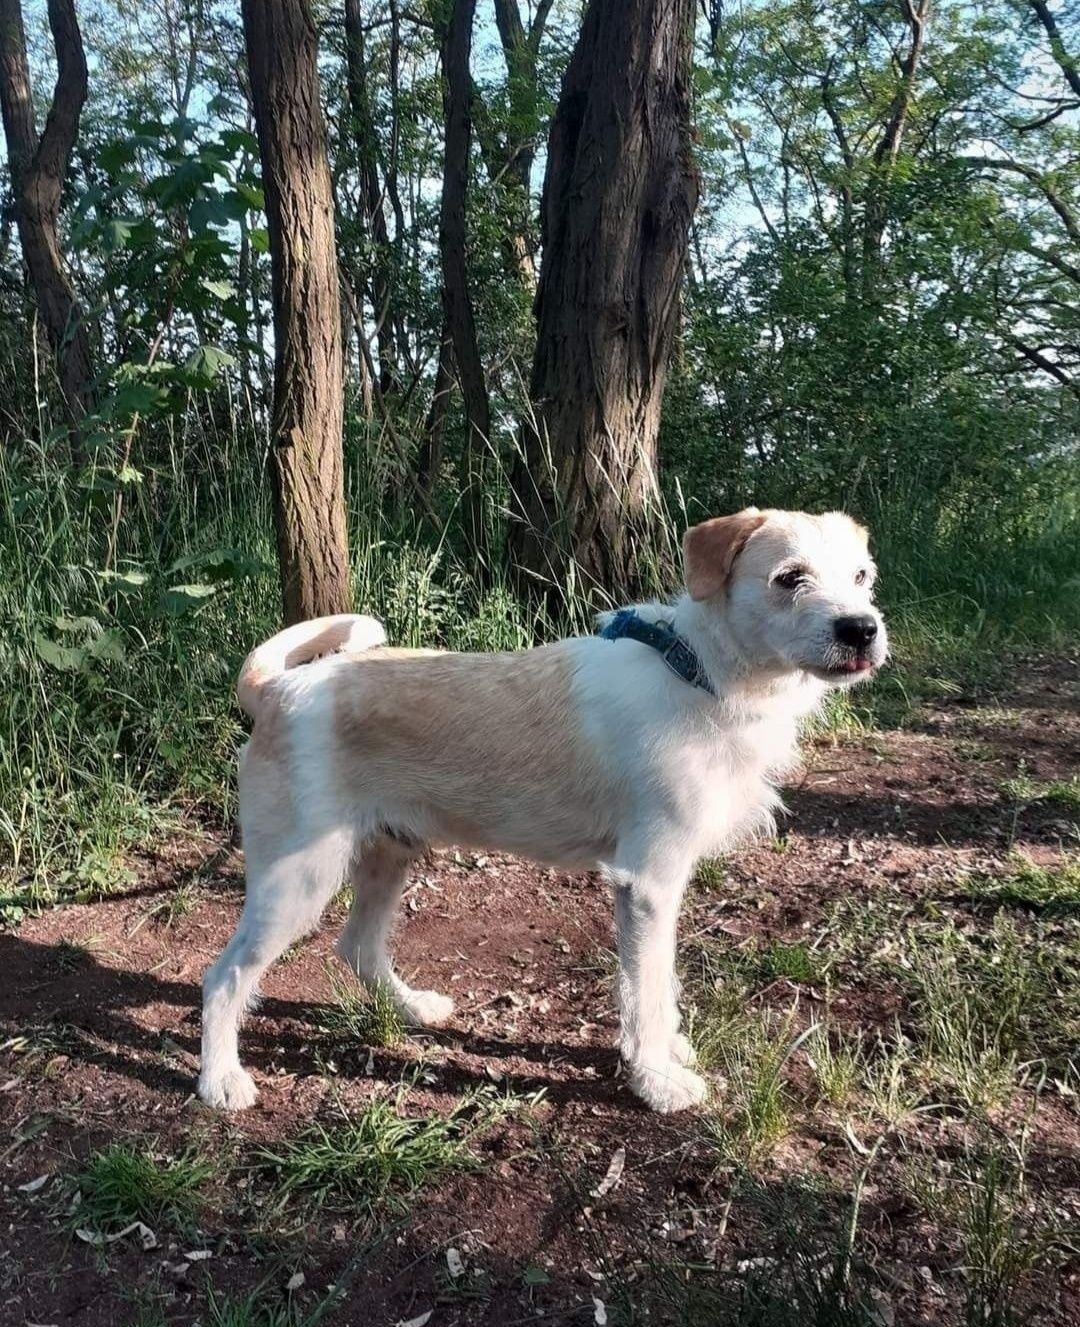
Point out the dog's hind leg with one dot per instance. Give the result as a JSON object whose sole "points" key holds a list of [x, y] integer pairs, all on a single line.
{"points": [[378, 877], [283, 902]]}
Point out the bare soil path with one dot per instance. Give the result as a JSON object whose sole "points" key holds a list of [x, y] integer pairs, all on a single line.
{"points": [[99, 1041]]}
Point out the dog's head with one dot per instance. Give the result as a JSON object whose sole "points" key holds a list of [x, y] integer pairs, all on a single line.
{"points": [[796, 591]]}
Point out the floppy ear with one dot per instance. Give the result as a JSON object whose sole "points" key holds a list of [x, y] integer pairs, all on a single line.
{"points": [[710, 550]]}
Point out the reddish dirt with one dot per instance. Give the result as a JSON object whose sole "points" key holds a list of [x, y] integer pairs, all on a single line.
{"points": [[99, 1020]]}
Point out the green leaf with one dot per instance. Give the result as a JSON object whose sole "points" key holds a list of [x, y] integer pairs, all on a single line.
{"points": [[239, 140], [260, 239], [116, 233], [220, 564], [64, 658], [83, 626], [108, 647], [251, 194], [113, 156], [202, 364], [220, 289], [127, 582], [180, 599], [210, 210], [131, 398]]}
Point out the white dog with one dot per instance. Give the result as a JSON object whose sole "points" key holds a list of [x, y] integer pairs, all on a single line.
{"points": [[634, 755]]}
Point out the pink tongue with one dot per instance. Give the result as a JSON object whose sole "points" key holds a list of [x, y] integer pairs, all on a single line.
{"points": [[855, 665]]}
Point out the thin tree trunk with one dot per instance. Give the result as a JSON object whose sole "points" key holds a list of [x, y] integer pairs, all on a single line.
{"points": [[619, 194], [371, 193], [888, 149], [38, 169], [457, 302], [430, 458], [306, 430], [509, 165]]}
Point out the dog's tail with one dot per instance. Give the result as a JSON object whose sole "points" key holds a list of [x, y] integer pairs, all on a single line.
{"points": [[299, 645]]}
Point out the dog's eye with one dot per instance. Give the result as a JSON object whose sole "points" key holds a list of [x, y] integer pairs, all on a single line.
{"points": [[790, 580], [860, 576]]}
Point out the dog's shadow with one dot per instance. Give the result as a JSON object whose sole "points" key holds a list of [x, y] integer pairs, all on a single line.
{"points": [[56, 1002]]}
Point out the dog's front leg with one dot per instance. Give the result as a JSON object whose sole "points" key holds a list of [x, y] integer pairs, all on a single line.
{"points": [[656, 1054]]}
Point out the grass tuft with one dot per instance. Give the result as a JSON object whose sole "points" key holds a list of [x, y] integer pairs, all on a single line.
{"points": [[710, 873], [836, 1062], [795, 963], [1063, 793], [757, 1100], [1052, 890], [377, 1158], [121, 1184], [359, 1016], [1004, 1239]]}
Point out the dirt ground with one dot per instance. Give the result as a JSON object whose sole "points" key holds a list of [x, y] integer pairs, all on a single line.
{"points": [[99, 1041]]}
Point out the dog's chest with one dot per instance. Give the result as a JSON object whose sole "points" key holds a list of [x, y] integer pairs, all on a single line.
{"points": [[736, 781]]}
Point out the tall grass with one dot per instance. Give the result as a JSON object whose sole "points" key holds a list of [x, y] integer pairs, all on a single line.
{"points": [[117, 708], [127, 607]]}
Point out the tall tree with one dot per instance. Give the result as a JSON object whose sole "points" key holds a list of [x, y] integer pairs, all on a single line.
{"points": [[457, 302], [619, 193], [39, 166], [306, 428]]}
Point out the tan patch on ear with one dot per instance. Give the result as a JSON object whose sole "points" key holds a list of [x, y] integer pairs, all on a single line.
{"points": [[710, 550]]}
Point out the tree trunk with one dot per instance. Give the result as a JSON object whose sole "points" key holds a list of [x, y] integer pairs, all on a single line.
{"points": [[306, 430], [38, 169], [619, 194], [888, 150], [430, 457], [509, 165], [371, 193], [457, 303]]}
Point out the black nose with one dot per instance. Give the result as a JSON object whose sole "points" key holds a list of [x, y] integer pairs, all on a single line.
{"points": [[857, 631]]}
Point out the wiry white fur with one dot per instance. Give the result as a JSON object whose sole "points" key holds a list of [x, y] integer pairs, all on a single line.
{"points": [[634, 772]]}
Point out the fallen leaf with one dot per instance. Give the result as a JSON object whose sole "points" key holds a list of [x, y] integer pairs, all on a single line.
{"points": [[455, 1264], [295, 1281], [599, 1312], [849, 1134], [32, 1186], [198, 1255], [614, 1173], [98, 1239], [417, 1322]]}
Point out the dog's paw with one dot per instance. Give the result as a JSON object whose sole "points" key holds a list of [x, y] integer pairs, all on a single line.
{"points": [[233, 1090], [669, 1089], [427, 1009], [681, 1050]]}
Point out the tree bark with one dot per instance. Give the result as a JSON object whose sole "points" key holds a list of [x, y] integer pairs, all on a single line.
{"points": [[457, 302], [38, 169], [619, 194], [306, 429]]}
